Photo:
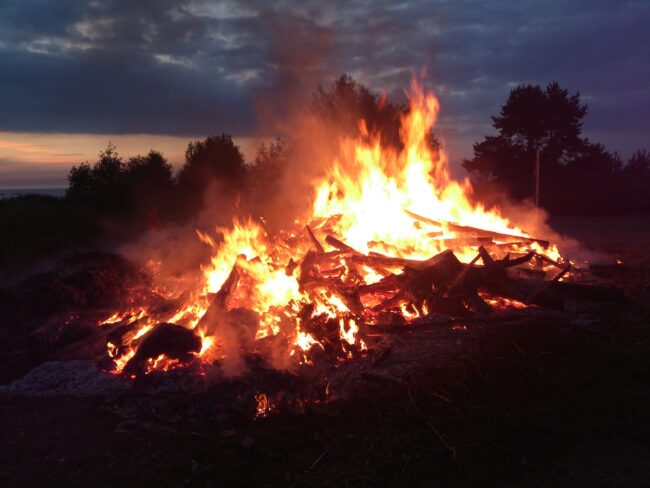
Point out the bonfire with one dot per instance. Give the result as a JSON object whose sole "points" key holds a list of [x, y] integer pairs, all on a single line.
{"points": [[390, 241]]}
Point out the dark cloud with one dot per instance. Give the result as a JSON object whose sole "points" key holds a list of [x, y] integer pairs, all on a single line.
{"points": [[188, 67]]}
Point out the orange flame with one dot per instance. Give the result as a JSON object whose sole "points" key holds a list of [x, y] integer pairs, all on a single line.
{"points": [[367, 198]]}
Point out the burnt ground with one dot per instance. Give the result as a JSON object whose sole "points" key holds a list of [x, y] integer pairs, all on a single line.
{"points": [[558, 399]]}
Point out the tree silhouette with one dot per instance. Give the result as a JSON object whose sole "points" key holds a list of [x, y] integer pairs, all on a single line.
{"points": [[149, 181], [103, 184], [141, 185], [108, 172], [550, 119], [265, 175], [80, 182], [637, 176], [345, 102], [270, 161], [639, 163], [532, 118], [577, 175], [149, 172], [214, 159]]}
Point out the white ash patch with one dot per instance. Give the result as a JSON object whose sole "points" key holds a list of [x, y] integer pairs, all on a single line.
{"points": [[67, 378]]}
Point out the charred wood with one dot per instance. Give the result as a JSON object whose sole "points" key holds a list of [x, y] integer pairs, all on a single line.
{"points": [[317, 245], [170, 340], [548, 284], [459, 281], [219, 304], [341, 246], [463, 229]]}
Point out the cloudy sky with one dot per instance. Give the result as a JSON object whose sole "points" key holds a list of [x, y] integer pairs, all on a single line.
{"points": [[155, 73]]}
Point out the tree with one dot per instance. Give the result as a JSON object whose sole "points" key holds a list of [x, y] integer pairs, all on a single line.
{"points": [[103, 184], [531, 118], [149, 172], [639, 163], [108, 172], [80, 182], [549, 119], [215, 158], [141, 185], [577, 176], [636, 175], [345, 102], [270, 162], [266, 172], [149, 181], [590, 183]]}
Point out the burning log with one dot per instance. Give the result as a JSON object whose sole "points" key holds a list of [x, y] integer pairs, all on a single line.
{"points": [[374, 260], [386, 284], [439, 271], [378, 261], [460, 279], [118, 333], [465, 241], [476, 304], [548, 284], [494, 279], [548, 260], [90, 347], [317, 245], [354, 254], [510, 263], [291, 267], [443, 279], [219, 304], [463, 229], [417, 284], [170, 340], [308, 272], [341, 246]]}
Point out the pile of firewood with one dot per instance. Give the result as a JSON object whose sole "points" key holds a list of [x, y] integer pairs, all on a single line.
{"points": [[439, 286], [442, 284]]}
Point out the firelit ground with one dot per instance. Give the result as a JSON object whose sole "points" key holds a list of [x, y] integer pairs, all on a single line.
{"points": [[523, 401]]}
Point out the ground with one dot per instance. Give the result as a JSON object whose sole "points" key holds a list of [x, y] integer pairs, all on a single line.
{"points": [[539, 400]]}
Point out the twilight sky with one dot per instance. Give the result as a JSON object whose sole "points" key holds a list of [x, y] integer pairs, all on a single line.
{"points": [[157, 73]]}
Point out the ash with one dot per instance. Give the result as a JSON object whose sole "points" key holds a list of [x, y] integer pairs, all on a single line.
{"points": [[67, 378]]}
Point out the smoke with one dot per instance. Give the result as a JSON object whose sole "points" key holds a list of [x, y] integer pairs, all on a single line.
{"points": [[536, 222], [303, 56], [173, 254]]}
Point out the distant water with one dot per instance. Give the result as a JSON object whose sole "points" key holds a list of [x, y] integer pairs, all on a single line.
{"points": [[14, 192]]}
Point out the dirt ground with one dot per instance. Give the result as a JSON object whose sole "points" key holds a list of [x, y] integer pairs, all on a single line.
{"points": [[555, 400]]}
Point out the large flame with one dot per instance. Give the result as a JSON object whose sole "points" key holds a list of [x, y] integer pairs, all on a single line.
{"points": [[366, 198], [370, 186]]}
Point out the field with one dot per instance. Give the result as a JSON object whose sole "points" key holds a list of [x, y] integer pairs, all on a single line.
{"points": [[559, 399]]}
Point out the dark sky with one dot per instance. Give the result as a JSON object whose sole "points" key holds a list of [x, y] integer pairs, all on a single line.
{"points": [[197, 67]]}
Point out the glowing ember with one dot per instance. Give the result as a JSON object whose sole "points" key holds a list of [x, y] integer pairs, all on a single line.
{"points": [[264, 406]]}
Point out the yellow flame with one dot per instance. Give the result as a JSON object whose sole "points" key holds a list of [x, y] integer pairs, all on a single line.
{"points": [[366, 198], [348, 333]]}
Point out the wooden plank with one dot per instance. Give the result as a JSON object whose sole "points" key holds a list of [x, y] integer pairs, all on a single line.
{"points": [[463, 229], [219, 305], [314, 241]]}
